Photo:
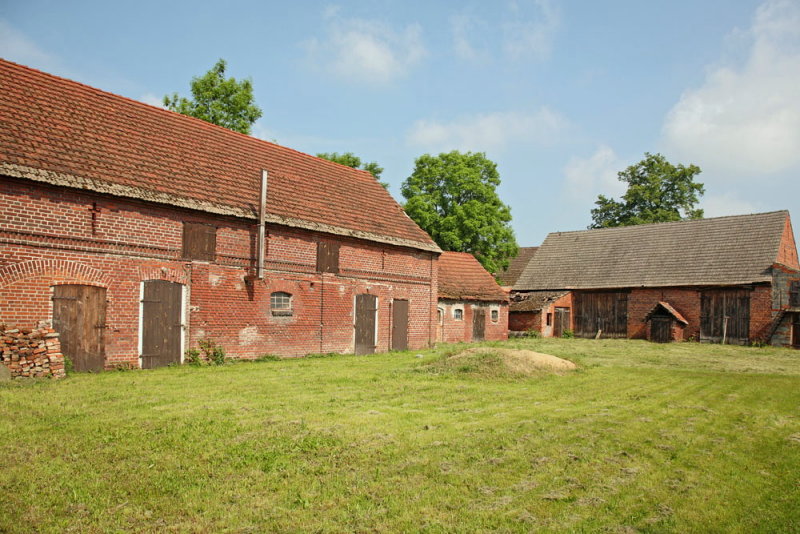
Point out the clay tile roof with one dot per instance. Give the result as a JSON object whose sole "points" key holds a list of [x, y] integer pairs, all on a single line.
{"points": [[730, 250], [517, 265], [462, 277], [65, 133]]}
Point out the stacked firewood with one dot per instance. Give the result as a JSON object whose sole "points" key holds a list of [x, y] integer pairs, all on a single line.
{"points": [[32, 353]]}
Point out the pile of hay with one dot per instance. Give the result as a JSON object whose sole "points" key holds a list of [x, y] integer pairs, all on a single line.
{"points": [[489, 361]]}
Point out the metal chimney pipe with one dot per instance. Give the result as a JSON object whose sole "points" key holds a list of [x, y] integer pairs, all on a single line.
{"points": [[262, 231]]}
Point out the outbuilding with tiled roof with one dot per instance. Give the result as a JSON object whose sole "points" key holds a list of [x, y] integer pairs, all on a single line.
{"points": [[472, 305]]}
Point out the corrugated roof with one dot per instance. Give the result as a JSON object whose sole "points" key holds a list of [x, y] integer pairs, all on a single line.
{"points": [[65, 133], [719, 251], [462, 277], [517, 265]]}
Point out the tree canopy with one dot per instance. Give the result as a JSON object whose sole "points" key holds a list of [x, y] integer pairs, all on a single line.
{"points": [[215, 99], [453, 197], [658, 191], [351, 160]]}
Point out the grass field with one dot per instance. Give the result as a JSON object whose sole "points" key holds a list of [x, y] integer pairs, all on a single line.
{"points": [[643, 437]]}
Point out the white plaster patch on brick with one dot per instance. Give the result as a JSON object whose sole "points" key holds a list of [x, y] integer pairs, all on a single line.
{"points": [[249, 336]]}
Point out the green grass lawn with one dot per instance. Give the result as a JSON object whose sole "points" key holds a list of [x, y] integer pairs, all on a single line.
{"points": [[643, 437]]}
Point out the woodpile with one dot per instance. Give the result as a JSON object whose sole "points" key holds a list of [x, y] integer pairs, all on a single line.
{"points": [[34, 353]]}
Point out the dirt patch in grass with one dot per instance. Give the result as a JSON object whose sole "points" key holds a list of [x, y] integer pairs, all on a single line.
{"points": [[499, 362]]}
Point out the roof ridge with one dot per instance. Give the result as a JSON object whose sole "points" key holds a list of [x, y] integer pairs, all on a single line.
{"points": [[661, 223]]}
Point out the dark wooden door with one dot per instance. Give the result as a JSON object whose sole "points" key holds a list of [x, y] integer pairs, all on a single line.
{"points": [[366, 310], [562, 322], [162, 327], [79, 315], [478, 324], [661, 329], [725, 316], [604, 312], [400, 325], [796, 331]]}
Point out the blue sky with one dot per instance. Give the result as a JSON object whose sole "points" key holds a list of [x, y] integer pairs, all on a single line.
{"points": [[561, 94]]}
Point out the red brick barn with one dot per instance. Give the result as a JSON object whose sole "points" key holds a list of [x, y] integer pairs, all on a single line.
{"points": [[727, 279], [138, 232], [472, 306]]}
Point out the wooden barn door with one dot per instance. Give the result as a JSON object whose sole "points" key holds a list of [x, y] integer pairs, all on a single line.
{"points": [[79, 315], [400, 325], [562, 322], [162, 327], [366, 310], [478, 324], [725, 315], [661, 329], [603, 312]]}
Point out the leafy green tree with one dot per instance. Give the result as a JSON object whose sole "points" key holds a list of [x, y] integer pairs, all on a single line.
{"points": [[351, 160], [453, 197], [218, 100], [658, 191]]}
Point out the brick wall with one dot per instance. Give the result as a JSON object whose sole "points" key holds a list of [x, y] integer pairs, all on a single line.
{"points": [[457, 331], [524, 321], [51, 236], [686, 301], [787, 254]]}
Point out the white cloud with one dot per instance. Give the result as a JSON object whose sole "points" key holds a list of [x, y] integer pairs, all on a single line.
{"points": [[585, 178], [488, 131], [728, 204], [531, 35], [745, 118], [366, 50], [17, 47], [465, 27]]}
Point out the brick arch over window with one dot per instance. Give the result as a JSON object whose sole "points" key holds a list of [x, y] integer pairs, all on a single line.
{"points": [[163, 273], [57, 271]]}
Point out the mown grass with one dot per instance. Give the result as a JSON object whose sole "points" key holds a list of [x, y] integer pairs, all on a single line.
{"points": [[643, 437]]}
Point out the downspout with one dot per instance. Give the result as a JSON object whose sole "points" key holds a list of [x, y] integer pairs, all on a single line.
{"points": [[262, 215], [434, 302]]}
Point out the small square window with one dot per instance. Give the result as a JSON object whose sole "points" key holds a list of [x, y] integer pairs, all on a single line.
{"points": [[495, 316], [280, 303], [458, 314]]}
